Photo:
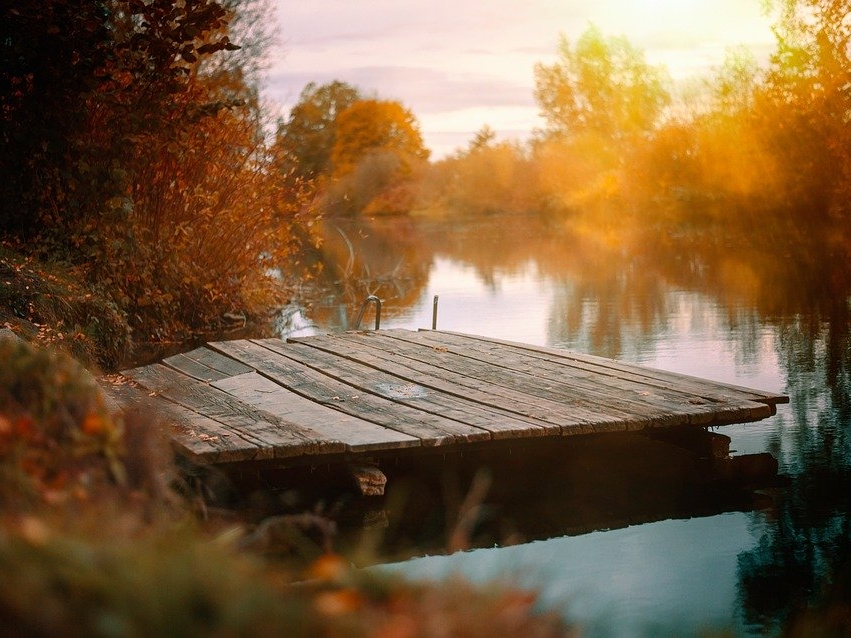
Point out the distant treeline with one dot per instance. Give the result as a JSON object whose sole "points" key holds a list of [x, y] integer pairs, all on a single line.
{"points": [[749, 149], [624, 151]]}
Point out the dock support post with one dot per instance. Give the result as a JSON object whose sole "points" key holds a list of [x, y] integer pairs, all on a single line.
{"points": [[368, 478]]}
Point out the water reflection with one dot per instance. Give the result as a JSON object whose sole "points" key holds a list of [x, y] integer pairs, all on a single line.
{"points": [[657, 579], [773, 315], [803, 557], [387, 260]]}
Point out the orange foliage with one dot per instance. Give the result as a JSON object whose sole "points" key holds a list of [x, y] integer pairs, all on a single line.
{"points": [[55, 429], [491, 179], [765, 151], [377, 152], [160, 189], [394, 609], [370, 126], [600, 85]]}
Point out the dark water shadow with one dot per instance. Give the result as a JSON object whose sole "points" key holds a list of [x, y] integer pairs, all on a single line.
{"points": [[516, 492]]}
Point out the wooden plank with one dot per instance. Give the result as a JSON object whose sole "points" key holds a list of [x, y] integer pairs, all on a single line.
{"points": [[430, 429], [603, 387], [203, 440], [552, 417], [521, 389], [719, 407], [544, 378], [193, 368], [271, 436], [190, 432], [638, 406], [432, 398], [705, 386], [357, 434], [210, 358]]}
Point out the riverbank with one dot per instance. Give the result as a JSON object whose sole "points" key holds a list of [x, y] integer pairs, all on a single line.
{"points": [[49, 303], [46, 303], [101, 534]]}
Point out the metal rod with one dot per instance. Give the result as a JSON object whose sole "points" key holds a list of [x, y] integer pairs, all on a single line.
{"points": [[434, 314], [366, 302]]}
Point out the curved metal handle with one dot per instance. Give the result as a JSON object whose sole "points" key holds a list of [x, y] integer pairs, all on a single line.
{"points": [[366, 302]]}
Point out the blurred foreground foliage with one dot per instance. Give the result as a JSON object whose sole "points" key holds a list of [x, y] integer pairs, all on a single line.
{"points": [[174, 583], [97, 538], [56, 433]]}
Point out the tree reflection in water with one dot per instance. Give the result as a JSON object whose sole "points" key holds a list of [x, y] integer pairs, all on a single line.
{"points": [[803, 557]]}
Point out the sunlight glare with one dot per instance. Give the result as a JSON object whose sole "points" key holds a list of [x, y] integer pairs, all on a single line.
{"points": [[689, 37]]}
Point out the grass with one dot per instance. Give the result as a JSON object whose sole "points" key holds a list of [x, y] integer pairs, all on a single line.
{"points": [[46, 302]]}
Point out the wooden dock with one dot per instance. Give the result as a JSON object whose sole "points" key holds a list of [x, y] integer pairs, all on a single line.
{"points": [[341, 397]]}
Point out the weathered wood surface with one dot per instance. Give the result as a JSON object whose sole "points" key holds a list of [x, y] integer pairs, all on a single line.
{"points": [[356, 393]]}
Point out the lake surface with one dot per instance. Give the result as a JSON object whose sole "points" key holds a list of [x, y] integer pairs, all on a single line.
{"points": [[754, 315]]}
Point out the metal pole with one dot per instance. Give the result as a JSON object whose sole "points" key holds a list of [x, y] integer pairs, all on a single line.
{"points": [[434, 314]]}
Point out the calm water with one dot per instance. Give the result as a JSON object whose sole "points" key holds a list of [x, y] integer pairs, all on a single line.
{"points": [[751, 316]]}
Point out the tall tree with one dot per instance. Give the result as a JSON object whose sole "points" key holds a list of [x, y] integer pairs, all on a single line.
{"points": [[485, 137], [309, 135], [377, 149], [601, 86], [372, 126], [808, 101]]}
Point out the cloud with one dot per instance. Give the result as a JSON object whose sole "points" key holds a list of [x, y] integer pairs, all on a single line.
{"points": [[423, 90]]}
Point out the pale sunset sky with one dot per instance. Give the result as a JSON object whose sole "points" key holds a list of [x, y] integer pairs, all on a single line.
{"points": [[459, 65]]}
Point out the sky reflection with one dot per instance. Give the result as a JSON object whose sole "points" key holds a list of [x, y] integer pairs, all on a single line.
{"points": [[671, 577]]}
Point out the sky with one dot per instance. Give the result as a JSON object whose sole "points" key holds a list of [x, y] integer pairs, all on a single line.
{"points": [[461, 64]]}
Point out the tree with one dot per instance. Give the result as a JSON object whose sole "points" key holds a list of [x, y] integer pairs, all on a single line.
{"points": [[813, 48], [372, 126], [249, 24], [133, 148], [485, 137], [601, 86], [724, 154], [309, 135], [736, 83], [492, 178], [377, 149], [82, 83], [807, 103]]}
